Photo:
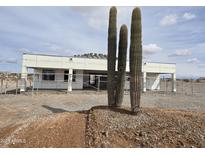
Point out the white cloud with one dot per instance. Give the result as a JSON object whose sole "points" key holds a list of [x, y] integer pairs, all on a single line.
{"points": [[52, 46], [94, 22], [11, 60], [55, 48], [173, 19], [188, 16], [169, 20], [182, 52], [23, 50], [188, 70], [193, 61], [201, 65], [96, 17], [151, 48]]}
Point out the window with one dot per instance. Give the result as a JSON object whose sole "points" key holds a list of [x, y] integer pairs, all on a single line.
{"points": [[48, 75], [74, 76], [66, 75]]}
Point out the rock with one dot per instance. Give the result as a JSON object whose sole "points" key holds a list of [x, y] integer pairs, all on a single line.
{"points": [[104, 133]]}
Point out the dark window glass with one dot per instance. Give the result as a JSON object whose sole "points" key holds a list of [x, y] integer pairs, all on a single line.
{"points": [[66, 73], [48, 75], [66, 76], [74, 76]]}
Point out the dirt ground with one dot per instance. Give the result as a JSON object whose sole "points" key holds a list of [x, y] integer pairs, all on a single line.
{"points": [[15, 108], [59, 130], [104, 127], [48, 120]]}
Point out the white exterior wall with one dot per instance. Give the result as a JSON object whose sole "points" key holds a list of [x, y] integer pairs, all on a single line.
{"points": [[78, 84], [46, 61], [59, 80], [76, 63], [153, 81]]}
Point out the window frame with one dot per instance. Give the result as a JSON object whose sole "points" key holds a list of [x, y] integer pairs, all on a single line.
{"points": [[48, 75], [67, 76]]}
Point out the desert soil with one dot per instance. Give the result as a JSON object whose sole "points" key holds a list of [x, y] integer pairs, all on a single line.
{"points": [[15, 108], [104, 127], [65, 120], [59, 130]]}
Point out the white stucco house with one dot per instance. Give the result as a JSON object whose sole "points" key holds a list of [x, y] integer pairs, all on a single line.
{"points": [[60, 72]]}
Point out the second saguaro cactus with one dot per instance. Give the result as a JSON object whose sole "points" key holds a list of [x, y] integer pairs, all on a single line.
{"points": [[112, 40], [122, 56], [135, 59]]}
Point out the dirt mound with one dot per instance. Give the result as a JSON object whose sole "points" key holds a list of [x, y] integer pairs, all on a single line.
{"points": [[104, 127], [58, 130]]}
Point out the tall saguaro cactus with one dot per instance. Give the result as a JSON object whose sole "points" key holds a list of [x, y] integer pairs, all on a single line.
{"points": [[135, 59], [122, 55], [112, 38]]}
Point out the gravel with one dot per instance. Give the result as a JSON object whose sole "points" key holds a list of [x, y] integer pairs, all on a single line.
{"points": [[149, 128]]}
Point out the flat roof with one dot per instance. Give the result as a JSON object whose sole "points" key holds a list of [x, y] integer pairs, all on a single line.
{"points": [[159, 62], [38, 54]]}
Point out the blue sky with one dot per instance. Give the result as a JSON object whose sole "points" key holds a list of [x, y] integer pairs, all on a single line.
{"points": [[170, 34]]}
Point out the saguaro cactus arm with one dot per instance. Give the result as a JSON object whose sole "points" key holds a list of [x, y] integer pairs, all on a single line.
{"points": [[135, 60], [112, 38], [122, 56]]}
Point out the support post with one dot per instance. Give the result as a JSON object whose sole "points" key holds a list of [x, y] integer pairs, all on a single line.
{"points": [[98, 82], [2, 85], [16, 80], [158, 82], [70, 78], [173, 82], [192, 87], [144, 81], [33, 82], [24, 73], [6, 86]]}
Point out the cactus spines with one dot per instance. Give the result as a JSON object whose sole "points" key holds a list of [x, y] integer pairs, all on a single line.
{"points": [[135, 60], [122, 56], [112, 38]]}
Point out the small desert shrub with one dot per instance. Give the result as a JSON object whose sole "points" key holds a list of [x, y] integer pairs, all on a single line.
{"points": [[186, 80]]}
